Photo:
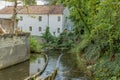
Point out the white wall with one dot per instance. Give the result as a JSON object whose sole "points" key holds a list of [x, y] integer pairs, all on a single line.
{"points": [[33, 21], [54, 24], [68, 24], [5, 15]]}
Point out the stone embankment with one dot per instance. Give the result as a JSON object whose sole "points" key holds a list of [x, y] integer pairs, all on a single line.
{"points": [[14, 48]]}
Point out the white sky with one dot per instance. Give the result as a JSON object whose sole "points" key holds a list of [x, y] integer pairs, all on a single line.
{"points": [[3, 3]]}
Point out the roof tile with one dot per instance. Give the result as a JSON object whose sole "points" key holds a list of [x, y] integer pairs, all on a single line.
{"points": [[36, 9]]}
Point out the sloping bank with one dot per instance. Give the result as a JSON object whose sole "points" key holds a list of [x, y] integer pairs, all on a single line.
{"points": [[14, 48]]}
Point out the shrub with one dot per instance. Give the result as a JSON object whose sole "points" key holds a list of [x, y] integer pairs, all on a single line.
{"points": [[35, 46]]}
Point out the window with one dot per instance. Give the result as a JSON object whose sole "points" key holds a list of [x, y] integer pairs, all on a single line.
{"points": [[58, 30], [66, 19], [53, 33], [21, 18], [59, 18], [30, 28], [40, 18], [40, 29]]}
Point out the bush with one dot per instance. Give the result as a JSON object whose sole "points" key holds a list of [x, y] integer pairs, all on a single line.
{"points": [[107, 70], [35, 46]]}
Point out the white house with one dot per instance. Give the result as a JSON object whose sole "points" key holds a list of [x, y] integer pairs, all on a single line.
{"points": [[36, 18]]}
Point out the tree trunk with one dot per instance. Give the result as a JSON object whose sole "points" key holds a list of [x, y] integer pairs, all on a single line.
{"points": [[14, 16]]}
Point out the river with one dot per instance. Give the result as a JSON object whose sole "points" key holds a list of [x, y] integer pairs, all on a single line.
{"points": [[67, 68]]}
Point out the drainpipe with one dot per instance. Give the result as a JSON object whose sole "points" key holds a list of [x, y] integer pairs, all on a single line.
{"points": [[48, 19]]}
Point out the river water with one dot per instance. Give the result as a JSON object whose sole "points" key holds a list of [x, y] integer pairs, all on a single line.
{"points": [[67, 68]]}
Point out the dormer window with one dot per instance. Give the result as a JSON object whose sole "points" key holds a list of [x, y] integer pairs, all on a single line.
{"points": [[40, 18]]}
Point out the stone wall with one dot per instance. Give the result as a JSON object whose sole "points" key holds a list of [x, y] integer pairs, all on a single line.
{"points": [[14, 48]]}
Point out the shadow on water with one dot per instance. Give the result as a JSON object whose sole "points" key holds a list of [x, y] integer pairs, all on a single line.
{"points": [[16, 72], [68, 69]]}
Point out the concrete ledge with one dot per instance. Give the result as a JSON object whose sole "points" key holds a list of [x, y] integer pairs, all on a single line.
{"points": [[14, 49]]}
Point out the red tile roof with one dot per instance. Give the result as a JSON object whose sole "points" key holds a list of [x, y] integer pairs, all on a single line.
{"points": [[37, 9]]}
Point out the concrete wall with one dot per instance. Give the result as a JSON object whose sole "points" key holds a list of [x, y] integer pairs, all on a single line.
{"points": [[14, 49]]}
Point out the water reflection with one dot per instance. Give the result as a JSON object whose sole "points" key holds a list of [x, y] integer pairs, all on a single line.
{"points": [[16, 72], [68, 67], [51, 64], [37, 63]]}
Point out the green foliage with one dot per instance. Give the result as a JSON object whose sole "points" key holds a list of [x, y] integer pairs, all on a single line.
{"points": [[26, 2], [29, 2], [97, 30], [106, 70], [47, 35], [93, 17], [35, 46], [63, 41], [49, 39]]}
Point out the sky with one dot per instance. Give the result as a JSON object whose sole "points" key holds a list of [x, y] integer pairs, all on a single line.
{"points": [[3, 3]]}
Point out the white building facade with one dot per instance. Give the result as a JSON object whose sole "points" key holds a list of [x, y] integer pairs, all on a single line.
{"points": [[35, 19]]}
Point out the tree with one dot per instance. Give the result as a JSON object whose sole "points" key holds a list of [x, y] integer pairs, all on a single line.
{"points": [[99, 44], [98, 27], [47, 35], [29, 2], [14, 16]]}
